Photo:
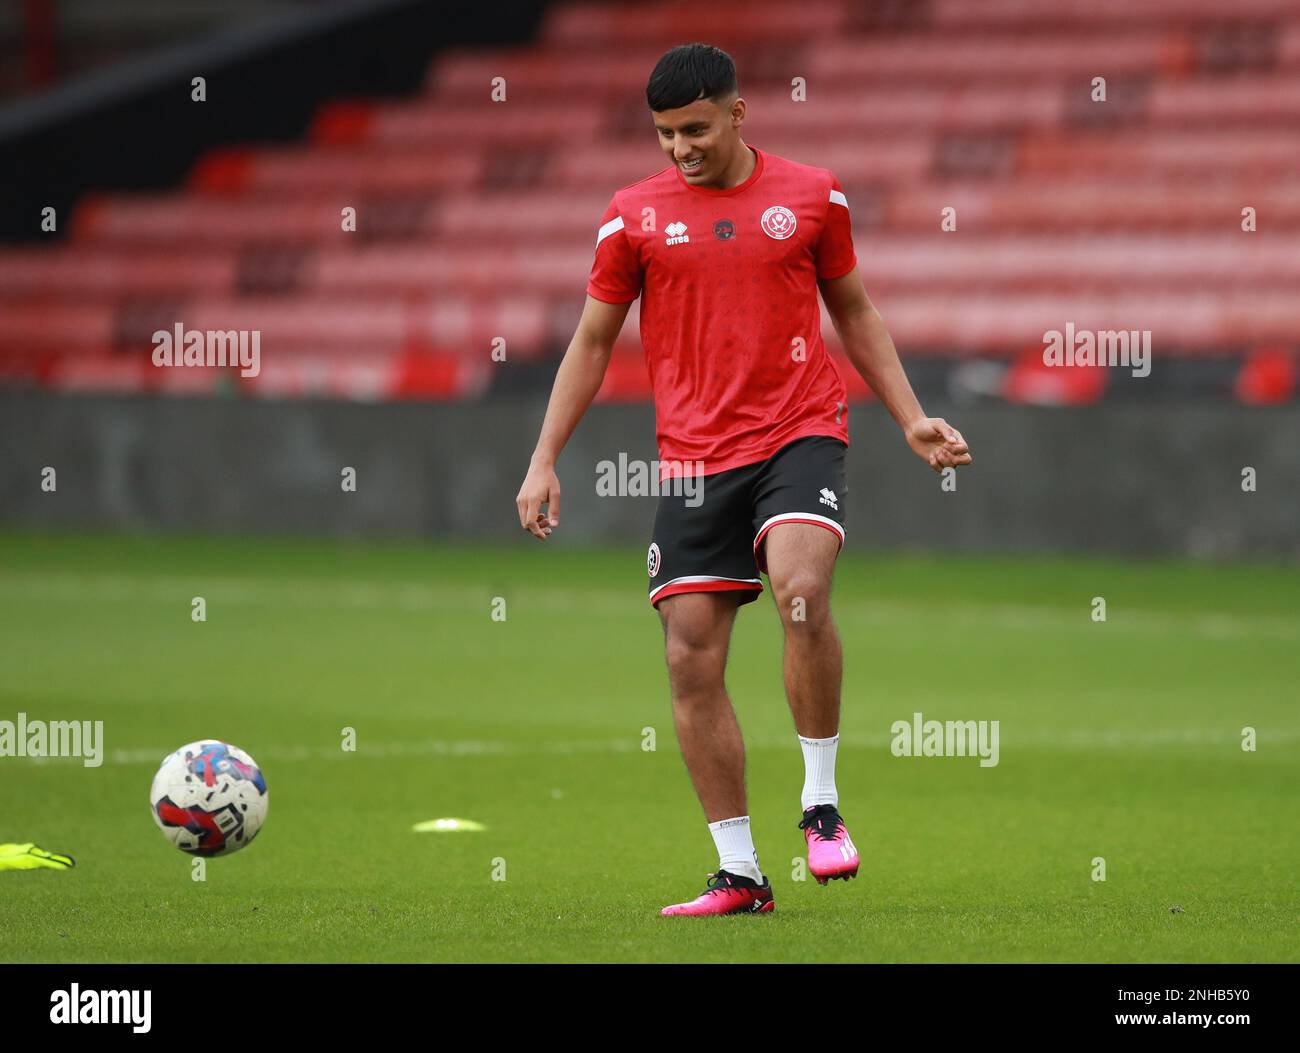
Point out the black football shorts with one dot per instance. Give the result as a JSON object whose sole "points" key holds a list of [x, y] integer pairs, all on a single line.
{"points": [[712, 540]]}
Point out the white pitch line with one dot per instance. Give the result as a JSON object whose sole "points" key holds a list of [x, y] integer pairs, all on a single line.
{"points": [[80, 588], [1068, 740]]}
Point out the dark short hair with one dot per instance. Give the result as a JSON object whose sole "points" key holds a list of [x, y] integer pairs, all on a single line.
{"points": [[689, 72]]}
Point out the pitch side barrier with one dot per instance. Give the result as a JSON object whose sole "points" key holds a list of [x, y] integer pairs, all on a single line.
{"points": [[1170, 478]]}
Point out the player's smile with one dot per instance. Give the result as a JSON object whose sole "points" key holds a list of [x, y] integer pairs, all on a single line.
{"points": [[695, 136]]}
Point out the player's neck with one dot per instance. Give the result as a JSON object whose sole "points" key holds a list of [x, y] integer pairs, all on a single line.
{"points": [[740, 169]]}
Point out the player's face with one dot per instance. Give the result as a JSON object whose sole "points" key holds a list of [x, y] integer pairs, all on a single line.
{"points": [[700, 138]]}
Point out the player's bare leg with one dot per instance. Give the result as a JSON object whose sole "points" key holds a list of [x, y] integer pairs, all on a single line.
{"points": [[697, 634], [800, 564]]}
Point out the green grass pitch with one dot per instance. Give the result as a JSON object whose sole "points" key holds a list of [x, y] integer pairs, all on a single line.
{"points": [[1119, 739]]}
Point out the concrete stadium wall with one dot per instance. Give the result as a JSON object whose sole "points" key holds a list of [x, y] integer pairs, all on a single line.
{"points": [[1122, 478]]}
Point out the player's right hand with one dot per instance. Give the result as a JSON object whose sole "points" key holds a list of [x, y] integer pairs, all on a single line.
{"points": [[541, 487]]}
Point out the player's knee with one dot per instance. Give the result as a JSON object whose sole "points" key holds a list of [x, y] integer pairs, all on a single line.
{"points": [[802, 598], [696, 658]]}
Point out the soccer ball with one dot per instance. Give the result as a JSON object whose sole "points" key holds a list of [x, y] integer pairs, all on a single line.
{"points": [[209, 798]]}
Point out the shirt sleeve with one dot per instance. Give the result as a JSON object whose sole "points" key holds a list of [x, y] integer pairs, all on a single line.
{"points": [[834, 251], [616, 272]]}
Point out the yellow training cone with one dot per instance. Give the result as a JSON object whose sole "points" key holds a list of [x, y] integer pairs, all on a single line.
{"points": [[446, 826]]}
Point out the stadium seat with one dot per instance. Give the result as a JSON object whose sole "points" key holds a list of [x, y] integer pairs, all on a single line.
{"points": [[468, 232]]}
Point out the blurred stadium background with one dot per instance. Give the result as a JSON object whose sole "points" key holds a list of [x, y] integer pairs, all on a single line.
{"points": [[475, 219], [476, 223]]}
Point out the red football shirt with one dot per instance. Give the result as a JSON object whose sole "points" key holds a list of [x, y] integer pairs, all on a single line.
{"points": [[729, 316]]}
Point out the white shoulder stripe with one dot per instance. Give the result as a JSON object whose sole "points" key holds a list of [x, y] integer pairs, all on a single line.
{"points": [[838, 198], [614, 225]]}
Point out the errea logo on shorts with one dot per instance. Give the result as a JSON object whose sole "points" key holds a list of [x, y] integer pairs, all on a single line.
{"points": [[676, 232], [828, 498], [778, 222]]}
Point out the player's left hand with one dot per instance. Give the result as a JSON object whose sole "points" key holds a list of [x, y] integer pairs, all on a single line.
{"points": [[938, 442]]}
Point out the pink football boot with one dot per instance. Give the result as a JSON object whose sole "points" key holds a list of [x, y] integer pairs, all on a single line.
{"points": [[831, 852], [727, 894]]}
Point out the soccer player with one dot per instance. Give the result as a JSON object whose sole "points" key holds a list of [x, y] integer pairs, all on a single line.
{"points": [[727, 248]]}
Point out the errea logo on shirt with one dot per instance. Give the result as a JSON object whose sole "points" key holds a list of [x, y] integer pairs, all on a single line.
{"points": [[676, 232]]}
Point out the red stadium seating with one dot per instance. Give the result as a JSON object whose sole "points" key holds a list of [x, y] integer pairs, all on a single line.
{"points": [[476, 220]]}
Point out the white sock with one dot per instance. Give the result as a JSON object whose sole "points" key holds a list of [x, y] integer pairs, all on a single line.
{"points": [[736, 853], [819, 771]]}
